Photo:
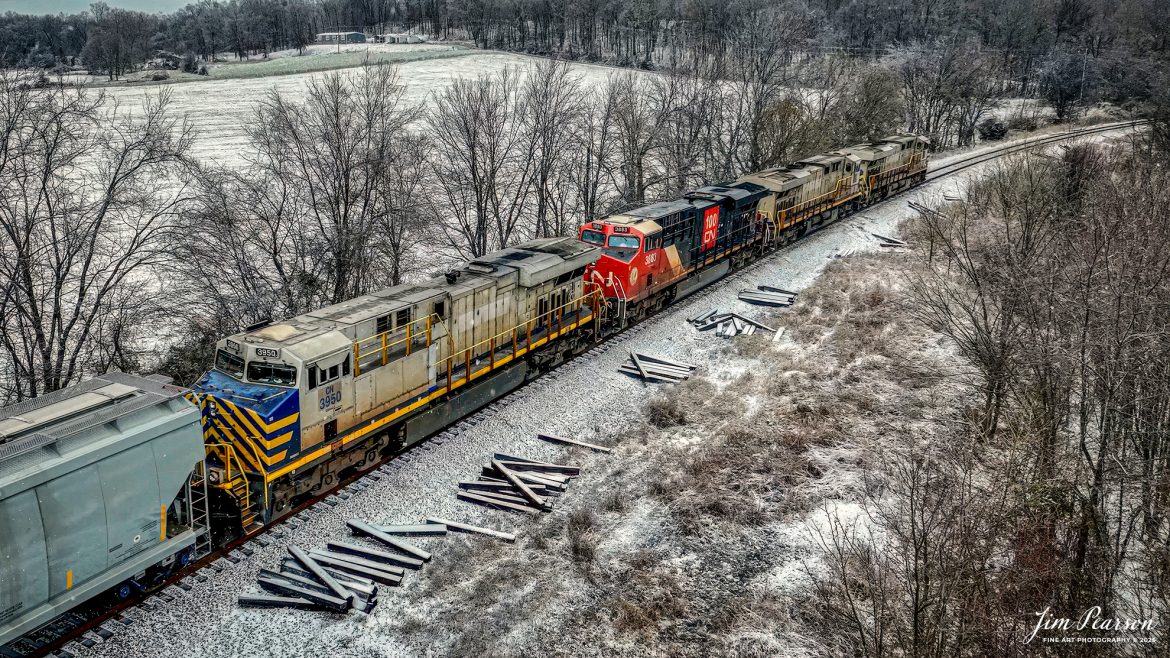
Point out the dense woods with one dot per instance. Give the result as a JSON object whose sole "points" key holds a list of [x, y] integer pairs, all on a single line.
{"points": [[1050, 491], [1034, 43]]}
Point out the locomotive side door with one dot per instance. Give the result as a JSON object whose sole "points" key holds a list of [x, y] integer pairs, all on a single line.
{"points": [[328, 400]]}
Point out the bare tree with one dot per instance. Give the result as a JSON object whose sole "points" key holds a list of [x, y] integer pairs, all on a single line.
{"points": [[552, 107], [642, 109], [335, 151], [87, 195], [594, 171], [482, 162]]}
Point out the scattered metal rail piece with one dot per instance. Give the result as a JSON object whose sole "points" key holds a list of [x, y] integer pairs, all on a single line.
{"points": [[353, 582], [373, 555], [485, 486], [397, 544], [463, 527], [543, 469], [496, 503], [268, 601], [312, 567], [286, 588], [653, 368], [513, 499], [759, 298], [780, 291], [384, 576], [429, 529], [891, 242], [520, 485], [573, 442], [366, 589]]}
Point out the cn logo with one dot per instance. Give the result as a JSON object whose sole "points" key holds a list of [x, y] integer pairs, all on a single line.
{"points": [[710, 227]]}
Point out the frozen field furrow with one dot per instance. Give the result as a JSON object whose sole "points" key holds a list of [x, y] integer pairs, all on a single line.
{"points": [[220, 109]]}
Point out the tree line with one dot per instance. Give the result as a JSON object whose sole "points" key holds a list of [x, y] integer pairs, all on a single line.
{"points": [[1049, 491], [108, 223], [1115, 45]]}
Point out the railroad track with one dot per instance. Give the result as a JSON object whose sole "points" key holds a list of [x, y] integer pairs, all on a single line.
{"points": [[1045, 140], [76, 624]]}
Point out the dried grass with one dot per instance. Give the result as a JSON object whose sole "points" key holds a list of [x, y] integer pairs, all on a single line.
{"points": [[657, 560]]}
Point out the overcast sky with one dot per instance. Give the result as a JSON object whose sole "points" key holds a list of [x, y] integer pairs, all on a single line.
{"points": [[74, 6]]}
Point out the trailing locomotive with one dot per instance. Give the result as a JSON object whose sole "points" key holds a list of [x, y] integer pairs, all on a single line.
{"points": [[653, 255]]}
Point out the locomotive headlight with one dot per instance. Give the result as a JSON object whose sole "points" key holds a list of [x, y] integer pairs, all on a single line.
{"points": [[213, 476]]}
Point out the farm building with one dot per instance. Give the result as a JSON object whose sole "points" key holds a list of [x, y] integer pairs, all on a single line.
{"points": [[401, 38], [341, 37]]}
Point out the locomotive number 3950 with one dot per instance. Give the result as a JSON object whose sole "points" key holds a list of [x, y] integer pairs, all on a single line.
{"points": [[329, 396]]}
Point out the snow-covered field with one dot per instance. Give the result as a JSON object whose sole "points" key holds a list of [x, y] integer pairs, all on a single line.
{"points": [[586, 398], [220, 109]]}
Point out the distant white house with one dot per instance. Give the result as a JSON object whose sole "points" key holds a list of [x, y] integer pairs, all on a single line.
{"points": [[341, 37], [402, 38]]}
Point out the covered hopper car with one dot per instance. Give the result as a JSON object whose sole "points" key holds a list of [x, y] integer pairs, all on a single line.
{"points": [[95, 494]]}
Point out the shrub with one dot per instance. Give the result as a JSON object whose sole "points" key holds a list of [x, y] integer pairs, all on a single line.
{"points": [[664, 412], [190, 63], [582, 541], [159, 76], [1024, 122], [991, 129]]}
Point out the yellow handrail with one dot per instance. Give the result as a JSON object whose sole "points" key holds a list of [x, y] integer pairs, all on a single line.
{"points": [[380, 343], [835, 195], [552, 317], [229, 456]]}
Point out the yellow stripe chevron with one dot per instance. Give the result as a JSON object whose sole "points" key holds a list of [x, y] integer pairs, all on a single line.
{"points": [[228, 434], [251, 432], [275, 426]]}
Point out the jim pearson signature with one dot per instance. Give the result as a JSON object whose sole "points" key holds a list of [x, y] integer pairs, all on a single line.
{"points": [[1091, 620]]}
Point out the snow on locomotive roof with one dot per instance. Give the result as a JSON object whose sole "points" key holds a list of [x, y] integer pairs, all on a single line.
{"points": [[536, 260]]}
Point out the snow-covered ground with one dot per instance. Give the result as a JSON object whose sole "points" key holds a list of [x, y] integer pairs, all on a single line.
{"points": [[220, 109], [586, 398]]}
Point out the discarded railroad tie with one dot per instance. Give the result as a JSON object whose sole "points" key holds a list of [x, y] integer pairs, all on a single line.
{"points": [[729, 325], [656, 369], [513, 484], [766, 298], [888, 242], [344, 575], [571, 442]]}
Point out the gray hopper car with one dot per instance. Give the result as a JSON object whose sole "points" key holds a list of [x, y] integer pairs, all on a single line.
{"points": [[94, 491]]}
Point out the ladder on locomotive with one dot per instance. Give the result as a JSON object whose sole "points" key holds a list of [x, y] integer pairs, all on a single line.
{"points": [[199, 510]]}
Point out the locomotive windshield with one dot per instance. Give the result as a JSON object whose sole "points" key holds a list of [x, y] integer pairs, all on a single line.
{"points": [[229, 364], [593, 237], [621, 247], [279, 374]]}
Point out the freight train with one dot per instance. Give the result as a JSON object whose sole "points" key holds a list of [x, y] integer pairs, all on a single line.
{"points": [[290, 408]]}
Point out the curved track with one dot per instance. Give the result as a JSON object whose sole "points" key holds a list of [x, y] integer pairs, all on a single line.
{"points": [[98, 615], [1025, 145]]}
